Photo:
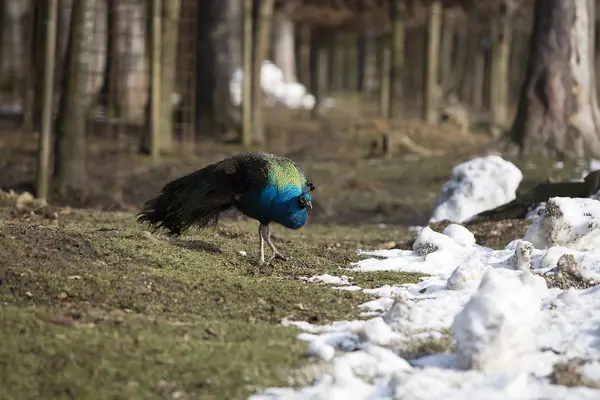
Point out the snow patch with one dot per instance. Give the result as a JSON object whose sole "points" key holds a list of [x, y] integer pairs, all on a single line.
{"points": [[568, 222], [326, 278], [290, 94], [494, 330], [509, 329]]}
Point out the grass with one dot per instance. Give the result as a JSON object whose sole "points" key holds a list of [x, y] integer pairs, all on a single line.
{"points": [[111, 312]]}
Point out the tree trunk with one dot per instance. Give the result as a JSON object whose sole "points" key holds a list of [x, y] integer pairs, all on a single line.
{"points": [[478, 86], [461, 58], [285, 57], [558, 109], [261, 47], [12, 41], [447, 50], [124, 90], [368, 57], [337, 52], [415, 68], [499, 74], [384, 78], [351, 67], [318, 66], [304, 54], [75, 100], [45, 137], [218, 54], [432, 89], [248, 76], [154, 122], [397, 55], [170, 35], [518, 65], [466, 86]]}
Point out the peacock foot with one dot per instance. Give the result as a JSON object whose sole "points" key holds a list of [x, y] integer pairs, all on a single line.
{"points": [[278, 256]]}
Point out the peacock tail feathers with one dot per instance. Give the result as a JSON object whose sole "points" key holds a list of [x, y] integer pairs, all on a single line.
{"points": [[194, 199]]}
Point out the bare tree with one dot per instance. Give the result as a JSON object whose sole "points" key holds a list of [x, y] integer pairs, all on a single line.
{"points": [[75, 100], [558, 110]]}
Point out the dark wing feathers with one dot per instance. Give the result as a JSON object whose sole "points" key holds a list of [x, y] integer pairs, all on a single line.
{"points": [[243, 172], [200, 197]]}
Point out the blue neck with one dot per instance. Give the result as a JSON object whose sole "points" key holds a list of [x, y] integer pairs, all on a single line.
{"points": [[271, 204]]}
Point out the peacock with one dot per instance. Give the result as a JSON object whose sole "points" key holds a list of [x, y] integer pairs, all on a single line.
{"points": [[263, 186]]}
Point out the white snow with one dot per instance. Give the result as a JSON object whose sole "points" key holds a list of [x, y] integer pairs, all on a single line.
{"points": [[326, 278], [475, 186], [459, 234], [495, 329], [508, 328], [278, 91]]}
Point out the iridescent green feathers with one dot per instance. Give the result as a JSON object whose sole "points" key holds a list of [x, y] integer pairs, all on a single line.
{"points": [[265, 169], [284, 172]]}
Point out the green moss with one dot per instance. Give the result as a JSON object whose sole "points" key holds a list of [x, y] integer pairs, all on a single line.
{"points": [[137, 357]]}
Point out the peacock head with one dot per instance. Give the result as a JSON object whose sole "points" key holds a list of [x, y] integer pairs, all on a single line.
{"points": [[305, 200]]}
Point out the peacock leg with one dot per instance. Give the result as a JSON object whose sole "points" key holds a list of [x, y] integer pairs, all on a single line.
{"points": [[261, 235], [276, 254]]}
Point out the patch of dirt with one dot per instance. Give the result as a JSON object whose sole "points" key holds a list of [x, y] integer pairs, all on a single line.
{"points": [[569, 374], [36, 242], [497, 234], [566, 281], [424, 348], [567, 274]]}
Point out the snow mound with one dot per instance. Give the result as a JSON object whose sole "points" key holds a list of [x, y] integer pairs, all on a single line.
{"points": [[476, 185], [567, 222], [290, 94], [495, 328], [459, 234], [509, 329]]}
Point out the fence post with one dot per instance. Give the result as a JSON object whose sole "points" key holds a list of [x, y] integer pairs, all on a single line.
{"points": [[385, 77], [45, 138]]}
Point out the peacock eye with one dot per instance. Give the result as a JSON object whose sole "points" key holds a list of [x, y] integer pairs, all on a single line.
{"points": [[303, 201]]}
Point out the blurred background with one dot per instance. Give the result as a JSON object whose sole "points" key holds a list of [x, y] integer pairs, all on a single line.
{"points": [[103, 101]]}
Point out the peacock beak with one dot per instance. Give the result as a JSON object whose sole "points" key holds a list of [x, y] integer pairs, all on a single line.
{"points": [[309, 204]]}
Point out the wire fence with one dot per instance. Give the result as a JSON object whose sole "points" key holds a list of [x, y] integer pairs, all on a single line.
{"points": [[118, 70], [319, 69]]}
